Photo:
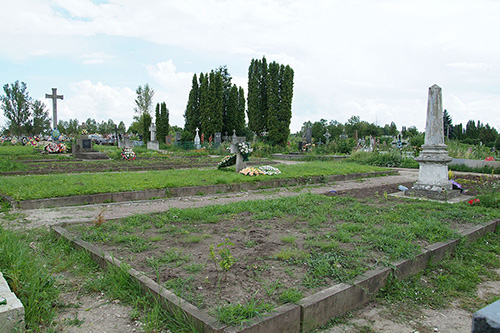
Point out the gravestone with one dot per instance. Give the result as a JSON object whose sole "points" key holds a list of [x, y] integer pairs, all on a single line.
{"points": [[168, 139], [197, 139], [217, 139], [177, 136], [83, 149], [153, 144], [355, 135], [308, 137], [432, 179], [240, 164]]}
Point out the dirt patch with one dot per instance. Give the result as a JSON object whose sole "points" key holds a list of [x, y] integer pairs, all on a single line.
{"points": [[270, 256]]}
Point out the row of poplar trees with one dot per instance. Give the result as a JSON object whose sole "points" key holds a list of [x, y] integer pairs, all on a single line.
{"points": [[216, 105], [270, 93]]}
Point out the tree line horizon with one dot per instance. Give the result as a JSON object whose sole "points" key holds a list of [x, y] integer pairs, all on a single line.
{"points": [[216, 105]]}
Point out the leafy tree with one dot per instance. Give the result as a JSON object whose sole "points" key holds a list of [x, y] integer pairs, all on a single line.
{"points": [[16, 106], [205, 111], [41, 120], [471, 131], [144, 102], [91, 125], [144, 99], [121, 127], [146, 121]]}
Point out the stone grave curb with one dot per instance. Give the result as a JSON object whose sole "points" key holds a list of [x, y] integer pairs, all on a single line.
{"points": [[77, 200], [309, 313], [12, 313]]}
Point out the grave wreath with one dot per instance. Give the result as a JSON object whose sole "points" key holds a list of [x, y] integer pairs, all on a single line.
{"points": [[128, 154], [55, 148], [228, 160]]}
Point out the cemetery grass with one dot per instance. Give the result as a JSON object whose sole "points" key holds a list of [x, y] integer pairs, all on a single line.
{"points": [[27, 187], [239, 260], [40, 267]]}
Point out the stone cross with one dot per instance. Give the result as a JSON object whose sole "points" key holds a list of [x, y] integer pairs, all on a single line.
{"points": [[54, 97], [152, 129], [327, 136]]}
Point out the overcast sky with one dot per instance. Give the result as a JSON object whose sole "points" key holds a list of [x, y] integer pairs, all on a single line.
{"points": [[374, 59]]}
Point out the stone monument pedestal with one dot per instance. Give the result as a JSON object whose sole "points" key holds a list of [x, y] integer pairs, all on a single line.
{"points": [[83, 149], [433, 180], [153, 145]]}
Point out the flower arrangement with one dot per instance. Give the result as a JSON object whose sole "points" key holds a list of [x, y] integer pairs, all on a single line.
{"points": [[228, 160], [55, 148], [251, 171], [84, 132], [308, 146], [473, 202], [128, 154], [456, 186], [244, 150], [33, 142], [269, 170], [489, 159]]}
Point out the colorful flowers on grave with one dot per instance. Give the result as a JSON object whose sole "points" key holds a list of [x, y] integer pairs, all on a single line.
{"points": [[227, 160], [489, 159], [244, 150], [251, 171], [84, 132], [55, 148], [269, 170], [128, 154], [33, 142], [456, 186], [473, 202]]}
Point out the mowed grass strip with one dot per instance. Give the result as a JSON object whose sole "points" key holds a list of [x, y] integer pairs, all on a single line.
{"points": [[62, 185]]}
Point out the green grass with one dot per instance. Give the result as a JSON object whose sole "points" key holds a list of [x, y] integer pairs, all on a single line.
{"points": [[238, 314], [60, 185], [31, 262], [456, 277]]}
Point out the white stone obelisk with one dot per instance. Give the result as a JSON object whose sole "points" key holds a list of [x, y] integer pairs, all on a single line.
{"points": [[433, 180]]}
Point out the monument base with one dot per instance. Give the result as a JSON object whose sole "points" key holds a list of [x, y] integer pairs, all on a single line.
{"points": [[91, 155], [153, 145], [433, 194]]}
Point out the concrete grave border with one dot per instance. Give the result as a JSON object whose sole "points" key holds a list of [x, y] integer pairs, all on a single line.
{"points": [[310, 312], [183, 191]]}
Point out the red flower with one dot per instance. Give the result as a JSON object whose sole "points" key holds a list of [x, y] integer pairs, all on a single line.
{"points": [[489, 159], [473, 201]]}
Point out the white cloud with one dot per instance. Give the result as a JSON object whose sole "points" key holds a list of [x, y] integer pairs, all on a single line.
{"points": [[374, 59], [96, 58], [97, 101]]}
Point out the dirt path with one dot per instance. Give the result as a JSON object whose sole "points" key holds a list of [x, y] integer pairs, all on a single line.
{"points": [[95, 313], [45, 217]]}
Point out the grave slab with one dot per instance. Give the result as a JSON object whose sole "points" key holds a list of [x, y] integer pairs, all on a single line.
{"points": [[11, 313]]}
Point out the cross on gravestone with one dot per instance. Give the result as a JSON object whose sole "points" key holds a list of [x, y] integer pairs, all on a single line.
{"points": [[327, 136], [152, 129], [54, 97]]}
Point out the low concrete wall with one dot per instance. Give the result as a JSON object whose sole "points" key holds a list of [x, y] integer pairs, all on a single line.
{"points": [[182, 191], [312, 311], [300, 156], [475, 163]]}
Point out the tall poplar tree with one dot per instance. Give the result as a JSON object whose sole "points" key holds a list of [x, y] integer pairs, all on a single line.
{"points": [[162, 125], [270, 94], [205, 111], [192, 114], [240, 112]]}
